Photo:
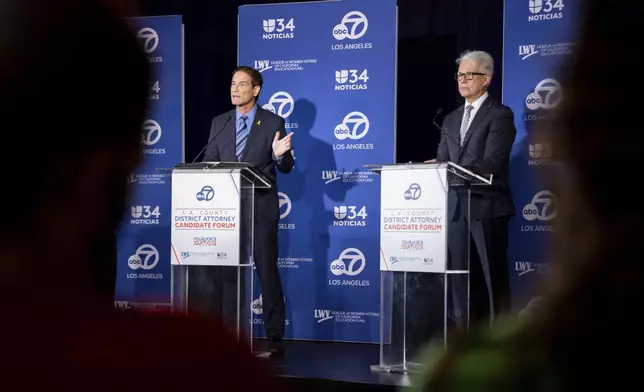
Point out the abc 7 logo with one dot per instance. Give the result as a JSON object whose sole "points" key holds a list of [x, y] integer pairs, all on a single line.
{"points": [[547, 212], [257, 306], [205, 194], [149, 39], [150, 133], [413, 192], [146, 257], [551, 89], [285, 102], [354, 256], [284, 201], [358, 22], [355, 120]]}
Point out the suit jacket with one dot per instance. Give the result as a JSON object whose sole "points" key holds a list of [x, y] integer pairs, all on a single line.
{"points": [[486, 150], [258, 151]]}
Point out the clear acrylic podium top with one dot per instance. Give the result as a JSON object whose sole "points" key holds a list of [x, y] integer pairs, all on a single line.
{"points": [[252, 176], [455, 171]]}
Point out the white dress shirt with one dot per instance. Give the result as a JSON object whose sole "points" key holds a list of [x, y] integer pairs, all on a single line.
{"points": [[476, 106]]}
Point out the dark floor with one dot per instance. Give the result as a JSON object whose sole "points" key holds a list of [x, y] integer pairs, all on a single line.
{"points": [[321, 366]]}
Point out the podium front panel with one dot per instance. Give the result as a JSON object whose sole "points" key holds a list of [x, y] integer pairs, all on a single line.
{"points": [[413, 229], [206, 218]]}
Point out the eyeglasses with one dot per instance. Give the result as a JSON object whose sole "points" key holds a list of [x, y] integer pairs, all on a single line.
{"points": [[467, 75]]}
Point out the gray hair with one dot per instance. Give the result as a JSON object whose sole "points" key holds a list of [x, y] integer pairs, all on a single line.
{"points": [[482, 59]]}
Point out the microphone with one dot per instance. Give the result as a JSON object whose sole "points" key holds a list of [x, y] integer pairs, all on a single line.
{"points": [[212, 139], [438, 113], [458, 142], [460, 149]]}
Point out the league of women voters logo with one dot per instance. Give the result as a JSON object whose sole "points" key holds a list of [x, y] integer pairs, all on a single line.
{"points": [[280, 103]]}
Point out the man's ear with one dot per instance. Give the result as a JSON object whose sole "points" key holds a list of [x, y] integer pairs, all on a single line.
{"points": [[488, 80]]}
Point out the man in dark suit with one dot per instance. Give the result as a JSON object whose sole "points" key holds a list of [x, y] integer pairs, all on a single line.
{"points": [[251, 134], [479, 136]]}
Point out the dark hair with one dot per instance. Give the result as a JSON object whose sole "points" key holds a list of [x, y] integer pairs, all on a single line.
{"points": [[73, 81], [255, 77]]}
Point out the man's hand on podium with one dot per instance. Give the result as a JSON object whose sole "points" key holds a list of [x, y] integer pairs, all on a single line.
{"points": [[431, 161]]}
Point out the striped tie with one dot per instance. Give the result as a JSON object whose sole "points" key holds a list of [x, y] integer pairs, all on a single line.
{"points": [[242, 136], [466, 123]]}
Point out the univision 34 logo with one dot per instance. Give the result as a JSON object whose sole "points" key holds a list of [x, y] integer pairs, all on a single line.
{"points": [[279, 28]]}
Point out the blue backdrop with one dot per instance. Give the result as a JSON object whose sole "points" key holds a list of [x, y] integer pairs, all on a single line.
{"points": [[143, 277], [539, 36], [329, 69]]}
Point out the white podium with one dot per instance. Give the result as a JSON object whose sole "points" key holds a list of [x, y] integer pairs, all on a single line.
{"points": [[424, 265], [212, 235]]}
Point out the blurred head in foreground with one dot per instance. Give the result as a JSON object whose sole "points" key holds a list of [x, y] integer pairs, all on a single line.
{"points": [[73, 93], [586, 331]]}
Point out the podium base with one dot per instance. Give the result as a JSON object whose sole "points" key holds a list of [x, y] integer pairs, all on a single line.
{"points": [[262, 354], [411, 368]]}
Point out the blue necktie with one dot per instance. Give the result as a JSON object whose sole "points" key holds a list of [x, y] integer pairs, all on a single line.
{"points": [[242, 136]]}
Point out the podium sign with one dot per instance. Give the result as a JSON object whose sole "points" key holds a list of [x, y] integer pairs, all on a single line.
{"points": [[424, 294], [413, 219], [205, 218], [212, 241]]}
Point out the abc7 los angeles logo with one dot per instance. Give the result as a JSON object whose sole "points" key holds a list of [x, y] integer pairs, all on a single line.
{"points": [[351, 262], [280, 103], [354, 126], [149, 39], [353, 26], [547, 95], [146, 257], [150, 133], [543, 207], [206, 193], [284, 204]]}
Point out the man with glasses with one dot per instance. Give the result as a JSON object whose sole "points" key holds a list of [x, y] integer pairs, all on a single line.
{"points": [[479, 136]]}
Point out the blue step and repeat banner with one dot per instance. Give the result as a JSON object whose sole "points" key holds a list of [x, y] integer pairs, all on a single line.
{"points": [[143, 276], [329, 69], [539, 37]]}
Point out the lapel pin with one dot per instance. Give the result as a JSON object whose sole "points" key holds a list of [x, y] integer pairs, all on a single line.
{"points": [[259, 122]]}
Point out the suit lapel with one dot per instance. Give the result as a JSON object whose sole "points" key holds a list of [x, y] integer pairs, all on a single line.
{"points": [[229, 134], [476, 121], [454, 153], [255, 130]]}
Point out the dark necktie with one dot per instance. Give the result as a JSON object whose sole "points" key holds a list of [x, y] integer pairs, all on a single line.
{"points": [[242, 137]]}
